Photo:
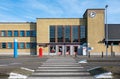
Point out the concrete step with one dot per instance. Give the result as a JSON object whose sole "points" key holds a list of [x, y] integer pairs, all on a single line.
{"points": [[80, 77], [60, 67], [59, 70], [64, 65], [62, 74]]}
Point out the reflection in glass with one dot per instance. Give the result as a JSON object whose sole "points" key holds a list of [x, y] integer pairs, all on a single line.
{"points": [[75, 34], [67, 33], [52, 33], [60, 33]]}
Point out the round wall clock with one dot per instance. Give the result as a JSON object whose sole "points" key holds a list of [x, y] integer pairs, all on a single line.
{"points": [[92, 14]]}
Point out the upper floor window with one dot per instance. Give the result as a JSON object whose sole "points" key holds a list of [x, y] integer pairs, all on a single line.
{"points": [[28, 33], [22, 33], [75, 33], [9, 33], [52, 33], [67, 33], [60, 34], [33, 33], [3, 33], [16, 33]]}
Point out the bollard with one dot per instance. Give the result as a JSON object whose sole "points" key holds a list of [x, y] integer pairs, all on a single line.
{"points": [[102, 55], [89, 54], [40, 52], [15, 48]]}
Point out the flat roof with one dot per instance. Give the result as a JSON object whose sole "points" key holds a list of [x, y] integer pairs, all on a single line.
{"points": [[17, 22]]}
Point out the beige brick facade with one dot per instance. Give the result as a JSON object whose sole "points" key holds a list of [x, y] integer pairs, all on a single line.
{"points": [[95, 33]]}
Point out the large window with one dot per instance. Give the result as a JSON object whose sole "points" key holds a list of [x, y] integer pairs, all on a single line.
{"points": [[67, 33], [52, 33], [60, 33], [15, 33], [9, 33], [3, 45], [3, 33], [9, 45], [22, 33], [75, 33], [82, 34]]}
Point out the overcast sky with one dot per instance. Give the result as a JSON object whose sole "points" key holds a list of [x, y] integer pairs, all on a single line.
{"points": [[29, 10]]}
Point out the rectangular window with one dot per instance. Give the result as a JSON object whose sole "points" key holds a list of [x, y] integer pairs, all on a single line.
{"points": [[3, 33], [75, 34], [33, 33], [33, 45], [60, 33], [3, 45], [27, 45], [22, 45], [28, 34], [9, 45], [82, 34], [52, 33], [67, 34], [22, 33], [15, 33], [9, 33]]}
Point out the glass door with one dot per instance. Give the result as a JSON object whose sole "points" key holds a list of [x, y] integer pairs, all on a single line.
{"points": [[67, 50], [60, 50], [75, 48]]}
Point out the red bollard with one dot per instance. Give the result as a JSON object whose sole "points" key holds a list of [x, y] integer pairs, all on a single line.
{"points": [[40, 52]]}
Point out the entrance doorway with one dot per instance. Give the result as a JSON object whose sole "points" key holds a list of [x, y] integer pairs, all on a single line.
{"points": [[67, 50], [75, 48], [60, 50], [64, 49]]}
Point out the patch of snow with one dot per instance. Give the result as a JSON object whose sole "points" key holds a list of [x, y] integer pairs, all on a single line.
{"points": [[82, 61], [104, 75], [17, 76]]}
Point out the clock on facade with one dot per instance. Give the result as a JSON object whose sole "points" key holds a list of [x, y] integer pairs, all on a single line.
{"points": [[92, 14]]}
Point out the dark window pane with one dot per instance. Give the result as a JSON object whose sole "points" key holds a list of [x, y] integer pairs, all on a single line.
{"points": [[16, 33], [9, 33], [3, 45], [28, 33], [33, 33], [60, 33], [67, 33], [75, 34], [82, 34], [22, 33], [33, 45], [52, 33]]}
